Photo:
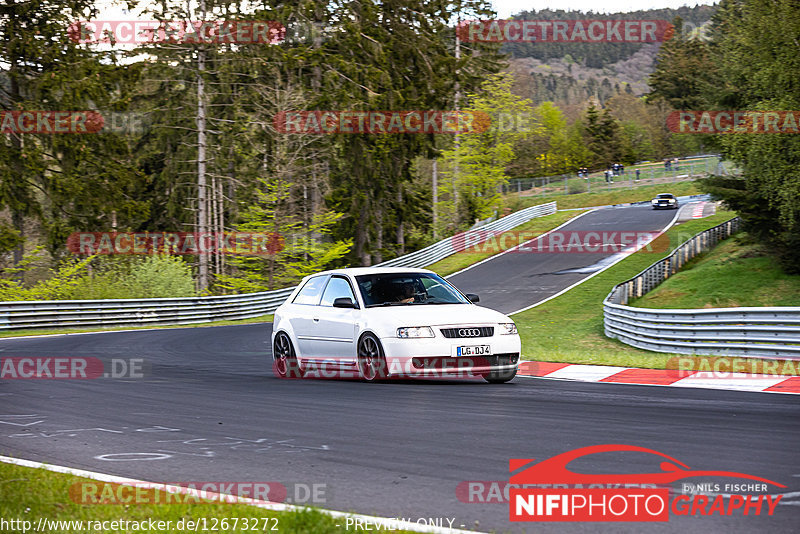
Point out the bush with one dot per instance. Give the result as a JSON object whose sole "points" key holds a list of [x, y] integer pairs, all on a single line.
{"points": [[59, 286], [575, 187], [102, 278], [138, 278]]}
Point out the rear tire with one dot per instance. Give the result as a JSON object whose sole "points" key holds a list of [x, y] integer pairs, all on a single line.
{"points": [[371, 360], [284, 358], [500, 377]]}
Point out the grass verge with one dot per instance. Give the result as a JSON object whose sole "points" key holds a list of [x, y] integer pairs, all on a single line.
{"points": [[51, 331], [736, 273], [569, 328], [28, 494], [605, 197]]}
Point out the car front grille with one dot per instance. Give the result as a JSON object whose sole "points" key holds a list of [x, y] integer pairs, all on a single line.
{"points": [[465, 362], [468, 332]]}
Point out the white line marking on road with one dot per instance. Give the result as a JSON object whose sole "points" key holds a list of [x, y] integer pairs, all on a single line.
{"points": [[579, 282], [385, 522], [738, 381], [20, 416], [717, 385], [490, 258], [133, 456], [586, 373]]}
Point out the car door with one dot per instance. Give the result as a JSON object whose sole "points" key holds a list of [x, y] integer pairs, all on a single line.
{"points": [[303, 311], [336, 328]]}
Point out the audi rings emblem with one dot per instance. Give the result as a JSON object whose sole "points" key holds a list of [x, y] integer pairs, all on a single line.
{"points": [[469, 332]]}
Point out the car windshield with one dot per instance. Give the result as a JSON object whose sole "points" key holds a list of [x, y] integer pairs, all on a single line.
{"points": [[665, 195], [405, 289]]}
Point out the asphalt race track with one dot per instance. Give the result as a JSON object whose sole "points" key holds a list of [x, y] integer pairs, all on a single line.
{"points": [[209, 409], [518, 279]]}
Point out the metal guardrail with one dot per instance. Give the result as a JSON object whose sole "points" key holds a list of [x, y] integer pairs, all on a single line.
{"points": [[187, 310], [765, 332], [446, 247], [117, 312]]}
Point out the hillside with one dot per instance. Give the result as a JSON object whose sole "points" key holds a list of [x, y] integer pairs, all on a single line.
{"points": [[571, 73], [738, 272]]}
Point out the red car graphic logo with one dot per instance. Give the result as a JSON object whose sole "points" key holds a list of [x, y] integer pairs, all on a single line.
{"points": [[554, 470]]}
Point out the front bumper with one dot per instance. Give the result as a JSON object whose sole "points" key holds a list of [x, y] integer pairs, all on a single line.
{"points": [[464, 365], [437, 356]]}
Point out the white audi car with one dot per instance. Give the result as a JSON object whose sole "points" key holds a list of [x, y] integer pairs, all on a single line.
{"points": [[377, 323]]}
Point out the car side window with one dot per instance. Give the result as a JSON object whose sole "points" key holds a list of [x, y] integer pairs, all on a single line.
{"points": [[337, 287], [310, 292]]}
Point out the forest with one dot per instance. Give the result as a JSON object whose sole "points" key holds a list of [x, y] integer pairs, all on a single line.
{"points": [[190, 142]]}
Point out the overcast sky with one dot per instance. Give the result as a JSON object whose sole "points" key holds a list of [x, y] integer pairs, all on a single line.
{"points": [[506, 8]]}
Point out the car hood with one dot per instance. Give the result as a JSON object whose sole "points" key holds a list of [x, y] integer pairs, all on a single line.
{"points": [[434, 315]]}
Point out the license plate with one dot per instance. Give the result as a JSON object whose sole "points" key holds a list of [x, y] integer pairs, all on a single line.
{"points": [[474, 350]]}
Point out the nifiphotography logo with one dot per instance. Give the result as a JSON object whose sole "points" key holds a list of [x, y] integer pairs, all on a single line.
{"points": [[548, 491]]}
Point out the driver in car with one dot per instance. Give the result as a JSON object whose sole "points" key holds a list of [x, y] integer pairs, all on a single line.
{"points": [[406, 293]]}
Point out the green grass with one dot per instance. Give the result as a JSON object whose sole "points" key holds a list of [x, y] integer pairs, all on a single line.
{"points": [[29, 494], [49, 331], [736, 273], [605, 197], [531, 229], [569, 328], [651, 173]]}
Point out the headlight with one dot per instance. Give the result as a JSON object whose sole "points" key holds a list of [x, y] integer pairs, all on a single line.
{"points": [[672, 201], [654, 201], [415, 331], [508, 328]]}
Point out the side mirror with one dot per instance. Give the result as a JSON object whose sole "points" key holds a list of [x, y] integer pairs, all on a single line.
{"points": [[473, 298], [344, 302]]}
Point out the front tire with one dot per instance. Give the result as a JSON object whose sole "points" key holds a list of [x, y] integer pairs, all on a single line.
{"points": [[500, 377], [371, 360], [284, 358]]}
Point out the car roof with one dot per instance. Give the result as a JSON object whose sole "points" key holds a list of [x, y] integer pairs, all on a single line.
{"points": [[357, 271], [665, 195]]}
